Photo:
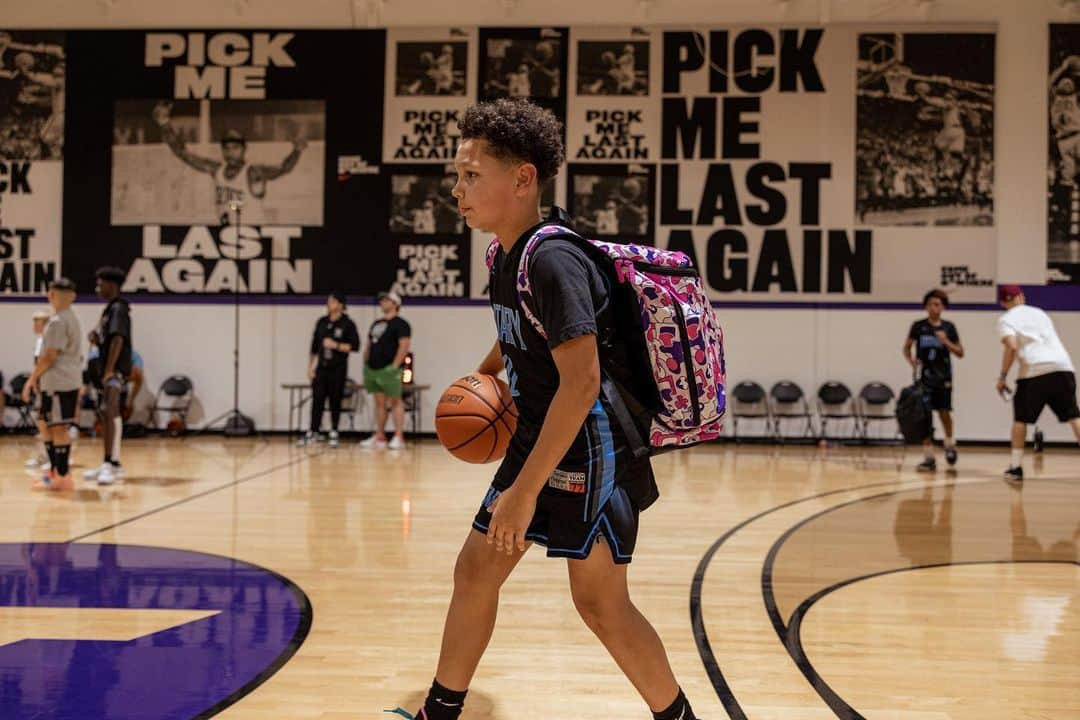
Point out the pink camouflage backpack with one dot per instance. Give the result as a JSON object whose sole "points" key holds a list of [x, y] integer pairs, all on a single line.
{"points": [[672, 394]]}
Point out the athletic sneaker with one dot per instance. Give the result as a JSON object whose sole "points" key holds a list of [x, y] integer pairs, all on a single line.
{"points": [[1015, 474], [332, 441], [106, 474], [373, 443], [306, 439], [92, 474], [950, 456], [40, 462], [928, 465], [397, 443]]}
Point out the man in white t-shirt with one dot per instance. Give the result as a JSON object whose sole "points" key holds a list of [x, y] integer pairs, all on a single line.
{"points": [[1047, 375]]}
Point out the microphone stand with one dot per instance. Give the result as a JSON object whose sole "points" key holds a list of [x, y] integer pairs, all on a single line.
{"points": [[237, 424]]}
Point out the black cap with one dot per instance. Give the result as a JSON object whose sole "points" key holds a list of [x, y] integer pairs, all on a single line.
{"points": [[233, 137], [111, 274], [63, 283], [340, 297]]}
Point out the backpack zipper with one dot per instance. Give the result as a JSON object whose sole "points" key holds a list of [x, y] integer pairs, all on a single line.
{"points": [[624, 268], [687, 365]]}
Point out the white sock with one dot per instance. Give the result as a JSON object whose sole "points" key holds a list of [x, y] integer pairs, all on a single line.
{"points": [[950, 442], [1017, 457]]}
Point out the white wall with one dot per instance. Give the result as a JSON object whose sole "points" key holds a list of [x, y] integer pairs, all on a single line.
{"points": [[808, 346]]}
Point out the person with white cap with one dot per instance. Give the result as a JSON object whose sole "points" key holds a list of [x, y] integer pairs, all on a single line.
{"points": [[1047, 374], [384, 355]]}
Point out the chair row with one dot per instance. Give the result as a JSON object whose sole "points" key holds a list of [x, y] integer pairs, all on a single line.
{"points": [[786, 405]]}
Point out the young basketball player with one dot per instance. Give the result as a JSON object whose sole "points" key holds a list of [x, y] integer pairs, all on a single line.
{"points": [[113, 339], [1047, 374], [56, 377], [567, 478], [935, 341], [42, 443]]}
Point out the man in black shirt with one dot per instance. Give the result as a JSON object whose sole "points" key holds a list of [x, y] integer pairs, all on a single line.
{"points": [[112, 336], [935, 341], [388, 344], [567, 476], [334, 338]]}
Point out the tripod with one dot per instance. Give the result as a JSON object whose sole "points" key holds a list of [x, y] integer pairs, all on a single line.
{"points": [[237, 424]]}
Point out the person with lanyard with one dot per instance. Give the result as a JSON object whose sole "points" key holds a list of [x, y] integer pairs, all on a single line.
{"points": [[334, 338], [387, 348], [43, 445], [56, 378], [112, 337], [1047, 375], [935, 341]]}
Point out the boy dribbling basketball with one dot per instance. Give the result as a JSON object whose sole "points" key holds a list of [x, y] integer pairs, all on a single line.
{"points": [[568, 480]]}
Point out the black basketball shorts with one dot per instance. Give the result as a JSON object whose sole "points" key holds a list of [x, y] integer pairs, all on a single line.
{"points": [[59, 408], [1058, 390]]}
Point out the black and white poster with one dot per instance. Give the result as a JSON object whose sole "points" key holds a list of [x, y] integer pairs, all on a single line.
{"points": [[192, 127], [184, 162], [33, 66], [421, 201], [613, 202], [757, 182], [925, 132], [430, 80], [614, 111], [431, 242], [1063, 170], [527, 63]]}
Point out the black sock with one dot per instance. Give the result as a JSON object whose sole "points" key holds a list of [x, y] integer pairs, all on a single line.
{"points": [[61, 454], [49, 452], [679, 710], [442, 704]]}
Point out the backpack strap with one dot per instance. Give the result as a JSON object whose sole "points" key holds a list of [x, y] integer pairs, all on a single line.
{"points": [[524, 283], [492, 251]]}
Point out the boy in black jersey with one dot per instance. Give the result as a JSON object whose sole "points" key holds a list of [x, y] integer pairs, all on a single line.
{"points": [[569, 480], [112, 337], [935, 341]]}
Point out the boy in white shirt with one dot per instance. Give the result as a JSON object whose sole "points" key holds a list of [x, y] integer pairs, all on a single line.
{"points": [[1047, 375]]}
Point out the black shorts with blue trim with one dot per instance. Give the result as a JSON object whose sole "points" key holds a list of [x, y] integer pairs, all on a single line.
{"points": [[561, 526]]}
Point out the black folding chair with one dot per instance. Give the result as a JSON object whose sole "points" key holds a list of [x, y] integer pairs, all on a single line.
{"points": [[24, 409], [174, 396], [352, 401], [876, 405], [748, 401], [789, 403], [835, 402]]}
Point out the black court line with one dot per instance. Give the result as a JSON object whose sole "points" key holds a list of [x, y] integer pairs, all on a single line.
{"points": [[697, 621], [793, 639], [196, 496]]}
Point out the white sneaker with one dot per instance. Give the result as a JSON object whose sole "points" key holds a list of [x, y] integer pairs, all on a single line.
{"points": [[92, 474], [373, 443], [41, 461], [106, 474], [397, 443], [332, 440], [306, 439], [73, 433]]}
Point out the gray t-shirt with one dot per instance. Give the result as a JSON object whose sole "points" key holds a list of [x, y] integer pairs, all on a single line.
{"points": [[64, 334]]}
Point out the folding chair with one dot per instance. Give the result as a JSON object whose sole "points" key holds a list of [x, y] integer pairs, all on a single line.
{"points": [[15, 402], [352, 401], [835, 402], [174, 396], [748, 401], [877, 404], [789, 403]]}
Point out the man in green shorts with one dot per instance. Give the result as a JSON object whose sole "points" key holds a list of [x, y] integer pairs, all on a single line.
{"points": [[384, 354]]}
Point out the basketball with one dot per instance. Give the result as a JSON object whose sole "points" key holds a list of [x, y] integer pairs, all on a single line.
{"points": [[475, 418]]}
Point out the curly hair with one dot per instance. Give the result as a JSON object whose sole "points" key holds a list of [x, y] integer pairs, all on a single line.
{"points": [[939, 294], [520, 130]]}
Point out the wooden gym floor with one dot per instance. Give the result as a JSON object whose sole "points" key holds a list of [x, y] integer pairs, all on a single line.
{"points": [[791, 583]]}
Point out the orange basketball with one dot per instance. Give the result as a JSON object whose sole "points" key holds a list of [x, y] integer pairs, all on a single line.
{"points": [[475, 418]]}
